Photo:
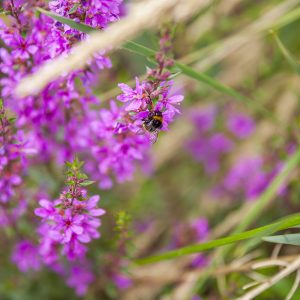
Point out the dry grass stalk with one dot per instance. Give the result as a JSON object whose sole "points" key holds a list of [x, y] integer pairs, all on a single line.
{"points": [[292, 267], [205, 23], [144, 15], [269, 263], [189, 279], [294, 287], [247, 267], [247, 35]]}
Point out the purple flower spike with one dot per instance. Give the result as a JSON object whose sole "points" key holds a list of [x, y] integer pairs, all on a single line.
{"points": [[25, 256], [240, 125], [69, 222]]}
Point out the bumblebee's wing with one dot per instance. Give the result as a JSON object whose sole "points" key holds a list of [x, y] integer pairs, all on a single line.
{"points": [[152, 136]]}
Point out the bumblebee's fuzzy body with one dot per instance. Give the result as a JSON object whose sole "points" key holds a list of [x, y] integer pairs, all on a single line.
{"points": [[153, 122]]}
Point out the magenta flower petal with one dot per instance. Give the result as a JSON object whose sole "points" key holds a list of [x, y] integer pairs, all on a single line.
{"points": [[97, 212], [77, 229]]}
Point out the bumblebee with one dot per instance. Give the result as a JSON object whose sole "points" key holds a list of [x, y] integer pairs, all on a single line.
{"points": [[153, 123]]}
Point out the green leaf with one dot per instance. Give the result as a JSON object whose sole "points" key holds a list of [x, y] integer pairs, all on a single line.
{"points": [[280, 225], [288, 239], [12, 120], [75, 25], [3, 12], [82, 176], [87, 182], [174, 75], [224, 89], [69, 164], [286, 53], [139, 49], [74, 8]]}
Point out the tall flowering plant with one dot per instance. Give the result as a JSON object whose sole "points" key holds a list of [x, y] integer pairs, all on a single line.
{"points": [[151, 105], [68, 224], [69, 221], [62, 122]]}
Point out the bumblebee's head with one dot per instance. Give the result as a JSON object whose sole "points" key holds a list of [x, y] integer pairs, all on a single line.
{"points": [[158, 113], [158, 116], [157, 119]]}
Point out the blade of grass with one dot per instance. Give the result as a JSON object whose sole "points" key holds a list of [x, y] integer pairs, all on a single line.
{"points": [[254, 30], [224, 89], [271, 228], [286, 53], [288, 18], [139, 49]]}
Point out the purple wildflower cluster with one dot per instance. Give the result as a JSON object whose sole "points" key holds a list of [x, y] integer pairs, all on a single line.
{"points": [[97, 14], [26, 257], [68, 225], [10, 159], [68, 222], [62, 108], [12, 163], [237, 182], [153, 96], [209, 145], [112, 139]]}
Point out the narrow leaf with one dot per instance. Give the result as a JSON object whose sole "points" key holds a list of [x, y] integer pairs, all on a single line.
{"points": [[288, 239], [287, 54], [73, 9], [139, 49], [87, 182], [73, 24], [220, 87], [280, 225]]}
